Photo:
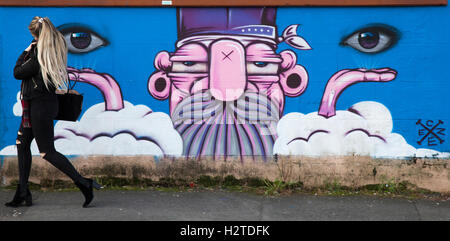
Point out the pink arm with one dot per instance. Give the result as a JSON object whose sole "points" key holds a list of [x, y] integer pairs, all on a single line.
{"points": [[104, 82], [343, 79]]}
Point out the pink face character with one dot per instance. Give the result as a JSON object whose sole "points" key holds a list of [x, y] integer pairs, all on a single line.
{"points": [[227, 92]]}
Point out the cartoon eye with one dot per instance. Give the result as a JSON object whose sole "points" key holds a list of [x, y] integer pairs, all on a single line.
{"points": [[189, 63], [262, 68], [189, 67], [373, 39], [81, 39]]}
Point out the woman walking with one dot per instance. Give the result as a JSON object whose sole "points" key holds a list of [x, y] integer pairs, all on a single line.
{"points": [[42, 67]]}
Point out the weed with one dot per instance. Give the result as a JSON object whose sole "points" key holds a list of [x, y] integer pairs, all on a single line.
{"points": [[285, 168], [254, 182], [274, 187], [387, 187], [31, 185]]}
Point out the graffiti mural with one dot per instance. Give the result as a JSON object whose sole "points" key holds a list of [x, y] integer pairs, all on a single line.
{"points": [[430, 133], [243, 82]]}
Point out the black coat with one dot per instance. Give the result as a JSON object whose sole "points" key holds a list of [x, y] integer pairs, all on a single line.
{"points": [[28, 70]]}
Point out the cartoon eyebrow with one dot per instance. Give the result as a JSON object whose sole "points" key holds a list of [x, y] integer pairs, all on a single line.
{"points": [[193, 52]]}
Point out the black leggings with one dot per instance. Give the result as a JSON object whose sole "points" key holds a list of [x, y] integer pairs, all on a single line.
{"points": [[42, 113]]}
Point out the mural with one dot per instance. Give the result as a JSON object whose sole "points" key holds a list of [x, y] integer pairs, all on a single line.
{"points": [[239, 80]]}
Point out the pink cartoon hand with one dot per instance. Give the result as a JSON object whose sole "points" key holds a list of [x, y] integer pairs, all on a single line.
{"points": [[343, 79], [104, 82]]}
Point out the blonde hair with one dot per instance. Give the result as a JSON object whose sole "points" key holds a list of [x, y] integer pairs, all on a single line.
{"points": [[52, 52]]}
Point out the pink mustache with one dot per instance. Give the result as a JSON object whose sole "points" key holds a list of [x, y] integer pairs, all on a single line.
{"points": [[345, 78]]}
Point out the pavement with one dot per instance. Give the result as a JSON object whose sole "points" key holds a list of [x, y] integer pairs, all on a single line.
{"points": [[218, 206]]}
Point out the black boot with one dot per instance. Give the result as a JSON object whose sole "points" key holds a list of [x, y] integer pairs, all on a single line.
{"points": [[22, 195], [86, 186]]}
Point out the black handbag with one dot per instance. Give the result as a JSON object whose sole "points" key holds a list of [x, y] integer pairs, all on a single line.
{"points": [[70, 105]]}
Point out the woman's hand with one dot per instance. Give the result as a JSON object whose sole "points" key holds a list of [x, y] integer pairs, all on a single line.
{"points": [[30, 46], [60, 92], [74, 92]]}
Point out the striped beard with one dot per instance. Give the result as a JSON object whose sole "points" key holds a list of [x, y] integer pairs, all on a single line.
{"points": [[243, 127]]}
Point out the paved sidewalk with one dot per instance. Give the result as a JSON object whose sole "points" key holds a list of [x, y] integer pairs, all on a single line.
{"points": [[219, 205]]}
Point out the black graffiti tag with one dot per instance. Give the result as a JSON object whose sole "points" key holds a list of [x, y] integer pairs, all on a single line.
{"points": [[433, 131]]}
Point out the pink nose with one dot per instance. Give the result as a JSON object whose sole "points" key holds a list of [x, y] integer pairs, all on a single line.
{"points": [[227, 70]]}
